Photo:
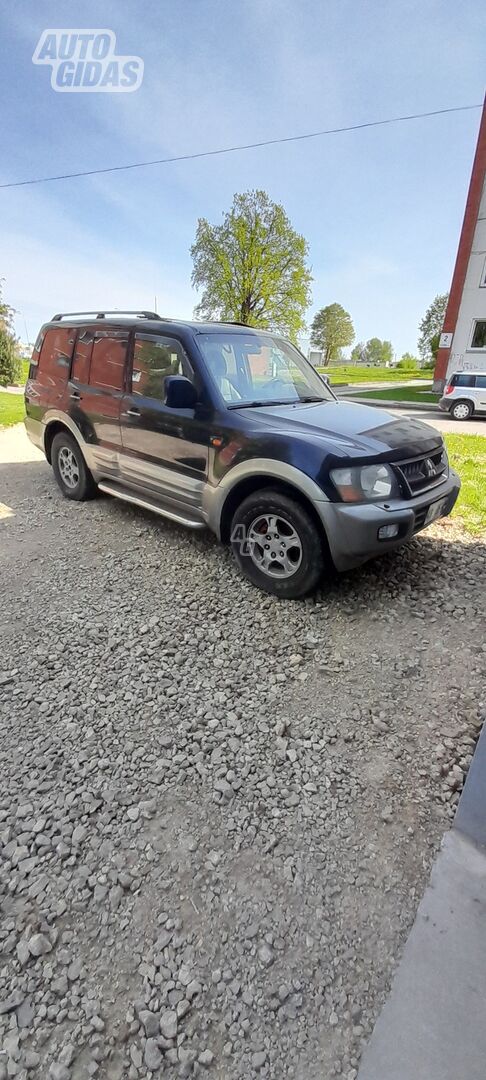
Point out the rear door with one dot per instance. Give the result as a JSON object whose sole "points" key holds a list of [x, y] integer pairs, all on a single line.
{"points": [[96, 388], [165, 450]]}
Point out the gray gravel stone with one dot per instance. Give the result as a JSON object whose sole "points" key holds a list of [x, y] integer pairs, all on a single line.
{"points": [[39, 945], [152, 1055], [168, 1024], [191, 816]]}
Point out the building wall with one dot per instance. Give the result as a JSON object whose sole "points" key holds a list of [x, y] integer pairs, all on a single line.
{"points": [[467, 300], [473, 303]]}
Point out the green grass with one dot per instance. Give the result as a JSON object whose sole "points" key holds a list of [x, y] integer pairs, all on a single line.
{"points": [[352, 373], [402, 393], [467, 454], [12, 409]]}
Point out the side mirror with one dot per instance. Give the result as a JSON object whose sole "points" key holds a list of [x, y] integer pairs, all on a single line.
{"points": [[180, 393]]}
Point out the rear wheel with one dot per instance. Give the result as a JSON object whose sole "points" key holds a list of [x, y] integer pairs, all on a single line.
{"points": [[462, 410], [277, 544], [70, 470]]}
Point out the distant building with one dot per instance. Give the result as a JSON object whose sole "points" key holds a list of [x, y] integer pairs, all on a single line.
{"points": [[462, 344]]}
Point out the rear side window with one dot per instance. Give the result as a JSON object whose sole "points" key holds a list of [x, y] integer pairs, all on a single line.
{"points": [[481, 381], [154, 358], [82, 357], [55, 354], [108, 356], [462, 380]]}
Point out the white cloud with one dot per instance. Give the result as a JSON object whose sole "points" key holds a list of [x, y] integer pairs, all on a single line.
{"points": [[43, 280]]}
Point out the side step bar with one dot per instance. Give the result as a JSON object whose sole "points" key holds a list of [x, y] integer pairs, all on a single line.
{"points": [[110, 487]]}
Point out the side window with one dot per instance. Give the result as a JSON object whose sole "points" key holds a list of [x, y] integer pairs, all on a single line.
{"points": [[154, 358], [481, 382], [108, 357], [55, 354], [463, 380], [82, 356]]}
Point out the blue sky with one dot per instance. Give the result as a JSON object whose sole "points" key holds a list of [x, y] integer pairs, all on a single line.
{"points": [[381, 209]]}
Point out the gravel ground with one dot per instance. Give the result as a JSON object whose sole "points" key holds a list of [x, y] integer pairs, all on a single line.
{"points": [[217, 811]]}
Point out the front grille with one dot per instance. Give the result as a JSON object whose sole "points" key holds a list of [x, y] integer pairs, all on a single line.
{"points": [[423, 473]]}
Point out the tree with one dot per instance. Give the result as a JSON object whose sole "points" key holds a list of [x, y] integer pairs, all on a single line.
{"points": [[331, 331], [252, 268], [379, 352], [431, 326], [374, 352], [358, 354], [408, 362], [10, 362]]}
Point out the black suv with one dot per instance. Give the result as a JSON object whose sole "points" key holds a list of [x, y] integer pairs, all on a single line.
{"points": [[222, 425]]}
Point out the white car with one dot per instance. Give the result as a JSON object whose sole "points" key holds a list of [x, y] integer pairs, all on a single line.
{"points": [[464, 395]]}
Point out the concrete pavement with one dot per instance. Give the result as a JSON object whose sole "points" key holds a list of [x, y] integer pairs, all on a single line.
{"points": [[443, 422], [433, 1026], [430, 415]]}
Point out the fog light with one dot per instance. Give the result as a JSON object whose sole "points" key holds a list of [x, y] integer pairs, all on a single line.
{"points": [[387, 532]]}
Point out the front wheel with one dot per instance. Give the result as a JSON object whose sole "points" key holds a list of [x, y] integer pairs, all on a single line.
{"points": [[462, 410], [277, 545], [70, 470]]}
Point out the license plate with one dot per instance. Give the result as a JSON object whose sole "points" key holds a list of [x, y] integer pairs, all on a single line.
{"points": [[435, 511]]}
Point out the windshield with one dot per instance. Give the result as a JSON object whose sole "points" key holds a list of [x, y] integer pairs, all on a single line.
{"points": [[260, 370]]}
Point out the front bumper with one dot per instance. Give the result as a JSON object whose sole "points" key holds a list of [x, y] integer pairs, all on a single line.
{"points": [[352, 529]]}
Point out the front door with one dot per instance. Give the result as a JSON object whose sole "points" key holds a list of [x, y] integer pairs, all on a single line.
{"points": [[165, 450]]}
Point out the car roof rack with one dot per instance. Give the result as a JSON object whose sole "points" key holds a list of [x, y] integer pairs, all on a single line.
{"points": [[102, 314]]}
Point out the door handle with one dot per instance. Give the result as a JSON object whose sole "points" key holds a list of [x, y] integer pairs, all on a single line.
{"points": [[132, 412], [75, 394]]}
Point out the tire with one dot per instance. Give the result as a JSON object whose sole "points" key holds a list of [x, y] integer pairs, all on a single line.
{"points": [[70, 470], [299, 562], [462, 410]]}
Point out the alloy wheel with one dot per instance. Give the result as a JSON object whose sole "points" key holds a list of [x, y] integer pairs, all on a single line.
{"points": [[68, 467], [274, 545]]}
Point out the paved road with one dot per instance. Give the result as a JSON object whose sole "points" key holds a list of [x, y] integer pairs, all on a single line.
{"points": [[385, 384], [442, 422]]}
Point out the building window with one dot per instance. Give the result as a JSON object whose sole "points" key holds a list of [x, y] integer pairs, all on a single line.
{"points": [[478, 340], [482, 283]]}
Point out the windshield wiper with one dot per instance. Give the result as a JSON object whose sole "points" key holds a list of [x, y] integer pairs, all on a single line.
{"points": [[285, 401], [258, 404]]}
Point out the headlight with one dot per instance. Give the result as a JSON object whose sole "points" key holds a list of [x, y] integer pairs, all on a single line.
{"points": [[365, 482]]}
